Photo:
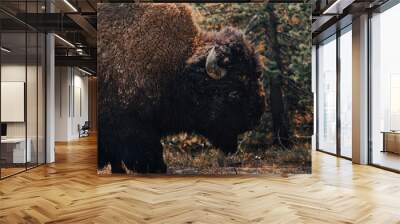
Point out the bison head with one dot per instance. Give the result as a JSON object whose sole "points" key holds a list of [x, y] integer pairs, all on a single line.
{"points": [[227, 92]]}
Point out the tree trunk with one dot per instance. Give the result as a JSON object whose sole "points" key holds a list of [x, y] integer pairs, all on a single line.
{"points": [[280, 116]]}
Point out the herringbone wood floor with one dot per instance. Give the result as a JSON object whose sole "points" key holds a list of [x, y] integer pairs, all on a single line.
{"points": [[70, 191]]}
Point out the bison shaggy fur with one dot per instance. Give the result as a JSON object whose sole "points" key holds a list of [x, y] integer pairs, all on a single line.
{"points": [[159, 74]]}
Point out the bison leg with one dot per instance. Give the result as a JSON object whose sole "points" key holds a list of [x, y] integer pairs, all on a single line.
{"points": [[143, 154], [226, 144], [131, 147], [108, 148], [101, 151]]}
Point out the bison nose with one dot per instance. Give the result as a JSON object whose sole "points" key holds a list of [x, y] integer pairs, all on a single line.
{"points": [[234, 94]]}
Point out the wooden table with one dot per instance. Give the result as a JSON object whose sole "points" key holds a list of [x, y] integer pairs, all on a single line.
{"points": [[391, 141]]}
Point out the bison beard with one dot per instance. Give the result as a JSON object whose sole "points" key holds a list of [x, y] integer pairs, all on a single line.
{"points": [[217, 93]]}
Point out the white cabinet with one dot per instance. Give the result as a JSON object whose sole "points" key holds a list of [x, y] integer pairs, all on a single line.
{"points": [[17, 145]]}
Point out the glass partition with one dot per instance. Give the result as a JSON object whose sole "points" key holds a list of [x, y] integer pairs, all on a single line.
{"points": [[22, 78], [13, 109], [31, 99], [41, 96]]}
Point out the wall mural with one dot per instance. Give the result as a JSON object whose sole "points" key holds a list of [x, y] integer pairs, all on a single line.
{"points": [[221, 88]]}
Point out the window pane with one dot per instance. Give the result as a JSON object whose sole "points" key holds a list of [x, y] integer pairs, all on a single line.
{"points": [[327, 96], [346, 94], [31, 97], [385, 84], [41, 98]]}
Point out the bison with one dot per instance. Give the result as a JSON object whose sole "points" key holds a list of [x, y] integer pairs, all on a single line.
{"points": [[159, 74]]}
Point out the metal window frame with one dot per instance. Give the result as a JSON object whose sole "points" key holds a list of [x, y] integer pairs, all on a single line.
{"points": [[339, 32]]}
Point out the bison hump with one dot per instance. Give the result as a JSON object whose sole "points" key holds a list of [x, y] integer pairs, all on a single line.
{"points": [[144, 39]]}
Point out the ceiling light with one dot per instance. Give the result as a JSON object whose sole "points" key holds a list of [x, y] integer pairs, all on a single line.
{"points": [[331, 7], [70, 5], [84, 71], [79, 51], [337, 7], [65, 41], [5, 50]]}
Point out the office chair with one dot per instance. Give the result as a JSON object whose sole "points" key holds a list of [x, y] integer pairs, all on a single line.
{"points": [[84, 130]]}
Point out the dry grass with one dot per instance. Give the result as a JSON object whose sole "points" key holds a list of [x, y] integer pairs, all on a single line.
{"points": [[192, 154]]}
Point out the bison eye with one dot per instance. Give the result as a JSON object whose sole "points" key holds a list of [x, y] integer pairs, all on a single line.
{"points": [[242, 78]]}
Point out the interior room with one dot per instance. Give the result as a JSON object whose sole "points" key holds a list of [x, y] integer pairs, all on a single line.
{"points": [[385, 81], [22, 102], [282, 111]]}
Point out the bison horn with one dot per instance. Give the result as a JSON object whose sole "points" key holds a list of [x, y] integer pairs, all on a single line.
{"points": [[212, 68]]}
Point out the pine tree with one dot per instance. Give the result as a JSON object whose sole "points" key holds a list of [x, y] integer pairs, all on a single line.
{"points": [[282, 34]]}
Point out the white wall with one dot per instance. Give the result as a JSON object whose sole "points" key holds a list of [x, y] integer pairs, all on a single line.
{"points": [[80, 110], [16, 73], [71, 102], [62, 81], [33, 127], [9, 73]]}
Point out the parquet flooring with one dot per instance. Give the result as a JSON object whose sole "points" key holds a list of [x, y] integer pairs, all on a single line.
{"points": [[10, 171], [70, 191]]}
